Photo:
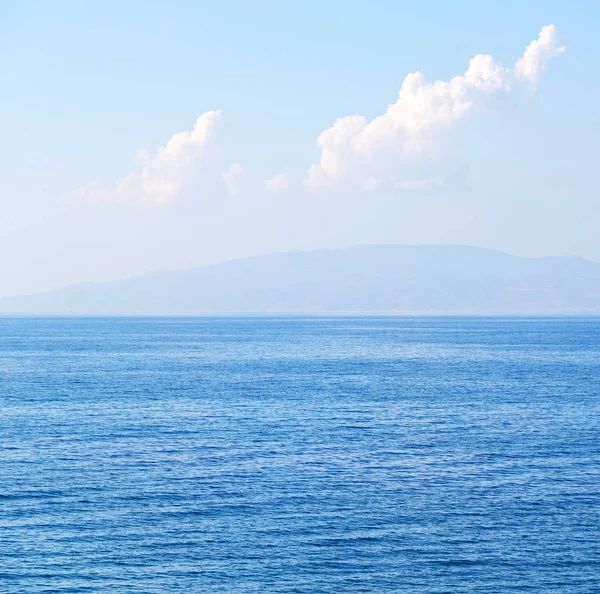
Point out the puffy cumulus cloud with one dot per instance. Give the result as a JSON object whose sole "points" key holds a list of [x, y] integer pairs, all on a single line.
{"points": [[407, 138], [160, 176], [278, 183], [538, 53], [231, 179]]}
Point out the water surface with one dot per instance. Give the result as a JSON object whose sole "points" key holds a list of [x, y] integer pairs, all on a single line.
{"points": [[163, 455]]}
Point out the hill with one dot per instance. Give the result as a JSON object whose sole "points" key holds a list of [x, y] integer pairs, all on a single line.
{"points": [[376, 279]]}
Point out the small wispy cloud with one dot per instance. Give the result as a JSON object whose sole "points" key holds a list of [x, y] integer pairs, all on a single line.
{"points": [[277, 184]]}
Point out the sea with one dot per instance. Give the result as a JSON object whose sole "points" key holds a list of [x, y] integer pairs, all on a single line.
{"points": [[299, 454]]}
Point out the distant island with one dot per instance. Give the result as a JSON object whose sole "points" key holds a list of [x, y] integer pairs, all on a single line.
{"points": [[379, 279]]}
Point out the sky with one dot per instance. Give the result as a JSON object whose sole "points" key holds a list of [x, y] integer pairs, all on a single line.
{"points": [[140, 136]]}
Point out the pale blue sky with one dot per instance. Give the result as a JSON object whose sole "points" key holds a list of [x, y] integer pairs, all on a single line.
{"points": [[87, 84]]}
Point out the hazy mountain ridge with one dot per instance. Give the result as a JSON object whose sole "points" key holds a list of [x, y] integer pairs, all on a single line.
{"points": [[377, 278]]}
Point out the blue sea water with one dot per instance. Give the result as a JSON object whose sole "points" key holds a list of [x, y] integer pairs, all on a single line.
{"points": [[163, 455]]}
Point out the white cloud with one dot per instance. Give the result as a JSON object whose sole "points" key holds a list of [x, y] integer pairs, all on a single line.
{"points": [[160, 176], [231, 178], [278, 183], [538, 53], [390, 148]]}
